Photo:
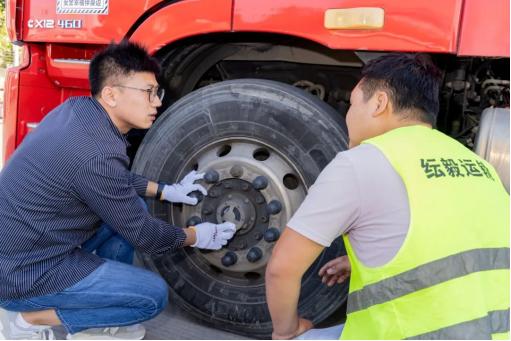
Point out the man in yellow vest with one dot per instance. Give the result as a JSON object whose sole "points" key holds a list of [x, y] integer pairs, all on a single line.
{"points": [[425, 222]]}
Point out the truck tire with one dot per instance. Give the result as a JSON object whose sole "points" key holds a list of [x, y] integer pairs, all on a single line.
{"points": [[262, 144]]}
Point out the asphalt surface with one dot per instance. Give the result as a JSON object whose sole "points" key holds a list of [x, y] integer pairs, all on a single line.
{"points": [[172, 324]]}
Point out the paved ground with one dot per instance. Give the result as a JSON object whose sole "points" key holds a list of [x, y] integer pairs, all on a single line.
{"points": [[174, 324]]}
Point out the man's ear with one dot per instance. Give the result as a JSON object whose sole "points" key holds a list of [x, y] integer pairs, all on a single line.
{"points": [[108, 96], [382, 103]]}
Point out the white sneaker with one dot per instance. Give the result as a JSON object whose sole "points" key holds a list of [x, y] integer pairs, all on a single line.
{"points": [[134, 332], [9, 330]]}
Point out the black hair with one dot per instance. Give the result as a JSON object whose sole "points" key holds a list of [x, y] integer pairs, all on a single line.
{"points": [[118, 60], [411, 81]]}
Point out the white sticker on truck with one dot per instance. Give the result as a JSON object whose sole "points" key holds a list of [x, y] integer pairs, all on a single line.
{"points": [[82, 6]]}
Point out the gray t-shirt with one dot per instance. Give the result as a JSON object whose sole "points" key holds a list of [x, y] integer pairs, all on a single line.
{"points": [[360, 194]]}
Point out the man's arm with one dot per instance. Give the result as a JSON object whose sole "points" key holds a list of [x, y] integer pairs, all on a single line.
{"points": [[191, 237], [292, 256], [329, 210], [141, 185], [152, 187], [138, 182], [103, 185]]}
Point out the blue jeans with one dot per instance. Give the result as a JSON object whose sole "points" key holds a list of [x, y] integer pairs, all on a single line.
{"points": [[115, 294], [110, 245], [106, 243]]}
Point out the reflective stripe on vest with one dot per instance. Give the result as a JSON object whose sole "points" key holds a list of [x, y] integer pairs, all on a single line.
{"points": [[427, 275], [478, 329]]}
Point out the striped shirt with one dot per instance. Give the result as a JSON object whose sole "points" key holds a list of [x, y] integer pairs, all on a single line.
{"points": [[66, 177]]}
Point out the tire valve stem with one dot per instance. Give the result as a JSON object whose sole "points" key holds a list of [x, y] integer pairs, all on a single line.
{"points": [[230, 258]]}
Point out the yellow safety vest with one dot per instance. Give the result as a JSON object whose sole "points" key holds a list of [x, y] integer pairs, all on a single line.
{"points": [[450, 278]]}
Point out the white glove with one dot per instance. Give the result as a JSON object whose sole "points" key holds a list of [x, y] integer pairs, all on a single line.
{"points": [[213, 236], [179, 192]]}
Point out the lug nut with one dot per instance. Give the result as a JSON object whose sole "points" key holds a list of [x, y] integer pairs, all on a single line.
{"points": [[193, 221], [236, 171], [259, 199], [264, 219], [198, 195], [260, 183], [230, 258], [211, 176], [274, 207], [254, 254], [271, 234]]}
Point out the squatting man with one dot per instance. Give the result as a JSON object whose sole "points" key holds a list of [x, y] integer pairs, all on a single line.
{"points": [[71, 212]]}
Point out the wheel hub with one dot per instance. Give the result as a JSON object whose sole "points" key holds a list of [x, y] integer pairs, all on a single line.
{"points": [[236, 201], [250, 193], [237, 210]]}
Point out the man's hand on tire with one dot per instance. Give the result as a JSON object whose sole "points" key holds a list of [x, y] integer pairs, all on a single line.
{"points": [[179, 192], [213, 236], [335, 271]]}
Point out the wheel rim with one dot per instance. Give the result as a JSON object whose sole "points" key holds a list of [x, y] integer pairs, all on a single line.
{"points": [[252, 185]]}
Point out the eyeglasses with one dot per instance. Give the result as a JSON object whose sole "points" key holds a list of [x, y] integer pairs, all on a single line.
{"points": [[152, 93]]}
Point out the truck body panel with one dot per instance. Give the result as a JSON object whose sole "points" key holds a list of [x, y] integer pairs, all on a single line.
{"points": [[479, 32], [414, 25], [452, 26], [52, 21], [181, 20]]}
